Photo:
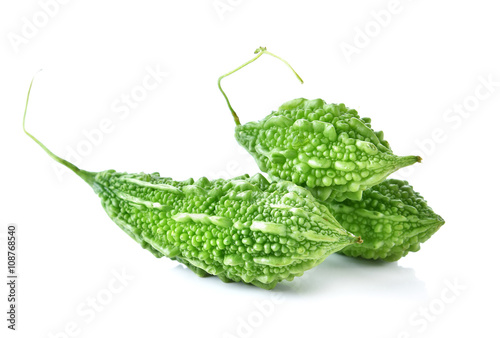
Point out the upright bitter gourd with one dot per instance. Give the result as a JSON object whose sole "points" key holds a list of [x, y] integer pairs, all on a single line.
{"points": [[325, 147], [391, 218], [242, 229]]}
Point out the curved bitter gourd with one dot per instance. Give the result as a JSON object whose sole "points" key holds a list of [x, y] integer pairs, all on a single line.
{"points": [[325, 147], [242, 229], [391, 218]]}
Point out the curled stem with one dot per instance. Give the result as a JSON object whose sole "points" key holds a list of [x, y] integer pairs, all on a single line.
{"points": [[85, 175], [259, 51]]}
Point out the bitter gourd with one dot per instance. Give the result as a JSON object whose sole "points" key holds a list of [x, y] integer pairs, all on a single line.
{"points": [[392, 218], [325, 147], [242, 229]]}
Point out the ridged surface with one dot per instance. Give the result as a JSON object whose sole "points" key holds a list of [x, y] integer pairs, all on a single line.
{"points": [[243, 229], [326, 147], [391, 218]]}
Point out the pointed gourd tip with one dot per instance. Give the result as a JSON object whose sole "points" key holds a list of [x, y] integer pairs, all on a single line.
{"points": [[406, 161], [440, 220], [358, 240]]}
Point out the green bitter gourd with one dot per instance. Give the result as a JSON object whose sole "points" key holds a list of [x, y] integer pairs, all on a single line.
{"points": [[325, 147], [392, 218], [242, 229]]}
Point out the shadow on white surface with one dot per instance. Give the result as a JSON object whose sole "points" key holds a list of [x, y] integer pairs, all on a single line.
{"points": [[341, 275], [348, 276]]}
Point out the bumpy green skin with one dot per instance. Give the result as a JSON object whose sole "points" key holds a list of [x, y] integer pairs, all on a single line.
{"points": [[326, 147], [391, 218], [243, 229]]}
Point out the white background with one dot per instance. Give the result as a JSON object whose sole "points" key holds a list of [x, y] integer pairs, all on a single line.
{"points": [[411, 75]]}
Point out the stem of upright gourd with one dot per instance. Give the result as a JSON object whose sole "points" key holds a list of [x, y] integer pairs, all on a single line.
{"points": [[259, 51], [87, 176]]}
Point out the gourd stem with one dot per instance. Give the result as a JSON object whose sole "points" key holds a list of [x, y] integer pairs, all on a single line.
{"points": [[259, 51], [85, 175]]}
